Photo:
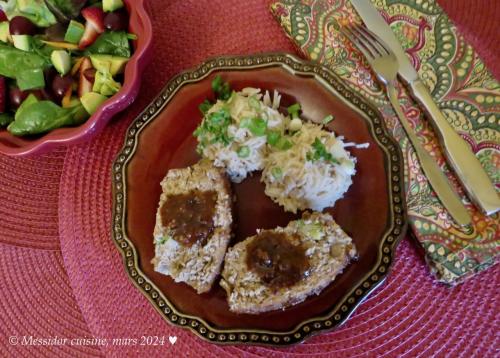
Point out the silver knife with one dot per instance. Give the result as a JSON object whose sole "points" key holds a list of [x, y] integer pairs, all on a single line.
{"points": [[458, 153]]}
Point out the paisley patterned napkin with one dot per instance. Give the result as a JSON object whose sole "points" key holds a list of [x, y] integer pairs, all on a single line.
{"points": [[466, 92]]}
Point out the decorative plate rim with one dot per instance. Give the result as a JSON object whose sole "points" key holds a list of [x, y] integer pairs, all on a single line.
{"points": [[395, 228]]}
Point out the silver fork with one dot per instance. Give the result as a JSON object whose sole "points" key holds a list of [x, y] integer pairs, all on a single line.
{"points": [[385, 65]]}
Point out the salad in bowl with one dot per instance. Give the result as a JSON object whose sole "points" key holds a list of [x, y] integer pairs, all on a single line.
{"points": [[60, 61]]}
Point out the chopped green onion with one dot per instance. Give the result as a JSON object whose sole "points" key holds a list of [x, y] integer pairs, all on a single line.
{"points": [[276, 140], [243, 152], [283, 144], [327, 119], [131, 36], [320, 152], [273, 137], [293, 110], [295, 124], [254, 103], [277, 173], [257, 126], [205, 106], [163, 239]]}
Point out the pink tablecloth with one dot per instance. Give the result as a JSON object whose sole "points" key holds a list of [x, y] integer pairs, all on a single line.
{"points": [[62, 277]]}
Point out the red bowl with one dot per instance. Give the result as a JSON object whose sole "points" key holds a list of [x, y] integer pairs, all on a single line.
{"points": [[139, 25]]}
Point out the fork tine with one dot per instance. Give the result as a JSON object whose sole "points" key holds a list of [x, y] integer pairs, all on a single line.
{"points": [[382, 46], [369, 41], [347, 31]]}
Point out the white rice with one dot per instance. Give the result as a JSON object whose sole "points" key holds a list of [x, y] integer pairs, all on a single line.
{"points": [[292, 179], [305, 184], [226, 156]]}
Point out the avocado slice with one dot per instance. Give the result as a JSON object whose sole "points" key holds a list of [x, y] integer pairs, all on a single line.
{"points": [[111, 5], [4, 31], [105, 84], [114, 64], [81, 113], [22, 42], [74, 32], [91, 101], [61, 61]]}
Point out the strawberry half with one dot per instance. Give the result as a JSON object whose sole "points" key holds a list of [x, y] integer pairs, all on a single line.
{"points": [[93, 26], [84, 85], [95, 16], [3, 94], [89, 36]]}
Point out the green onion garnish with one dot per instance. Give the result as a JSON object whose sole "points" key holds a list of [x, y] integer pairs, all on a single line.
{"points": [[257, 126], [283, 144], [320, 152], [327, 119], [293, 110], [276, 140], [273, 137], [163, 240], [277, 173], [243, 152]]}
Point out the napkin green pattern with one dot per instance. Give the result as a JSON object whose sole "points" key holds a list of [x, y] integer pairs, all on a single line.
{"points": [[466, 92]]}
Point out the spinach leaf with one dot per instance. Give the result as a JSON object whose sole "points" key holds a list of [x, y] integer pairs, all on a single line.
{"points": [[25, 104], [40, 48], [43, 116], [35, 10], [113, 43], [5, 119], [68, 9], [13, 61]]}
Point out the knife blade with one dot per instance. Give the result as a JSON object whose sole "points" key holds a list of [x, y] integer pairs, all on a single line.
{"points": [[458, 153]]}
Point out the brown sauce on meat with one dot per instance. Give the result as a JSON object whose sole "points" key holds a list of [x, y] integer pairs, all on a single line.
{"points": [[277, 261], [189, 217]]}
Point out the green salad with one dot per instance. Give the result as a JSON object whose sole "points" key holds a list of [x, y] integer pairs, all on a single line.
{"points": [[59, 61]]}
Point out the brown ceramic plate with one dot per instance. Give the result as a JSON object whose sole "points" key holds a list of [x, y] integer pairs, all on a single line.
{"points": [[372, 212]]}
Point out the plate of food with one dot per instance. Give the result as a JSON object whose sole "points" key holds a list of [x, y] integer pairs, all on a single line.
{"points": [[258, 200], [66, 67]]}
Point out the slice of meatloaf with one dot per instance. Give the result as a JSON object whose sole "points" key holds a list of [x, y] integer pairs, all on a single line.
{"points": [[282, 267], [193, 225]]}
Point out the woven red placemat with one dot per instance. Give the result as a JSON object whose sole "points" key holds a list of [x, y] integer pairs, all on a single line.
{"points": [[62, 276]]}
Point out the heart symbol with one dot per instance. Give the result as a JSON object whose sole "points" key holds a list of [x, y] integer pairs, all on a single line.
{"points": [[172, 339]]}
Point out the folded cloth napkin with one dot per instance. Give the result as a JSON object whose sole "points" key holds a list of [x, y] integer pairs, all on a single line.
{"points": [[466, 92]]}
